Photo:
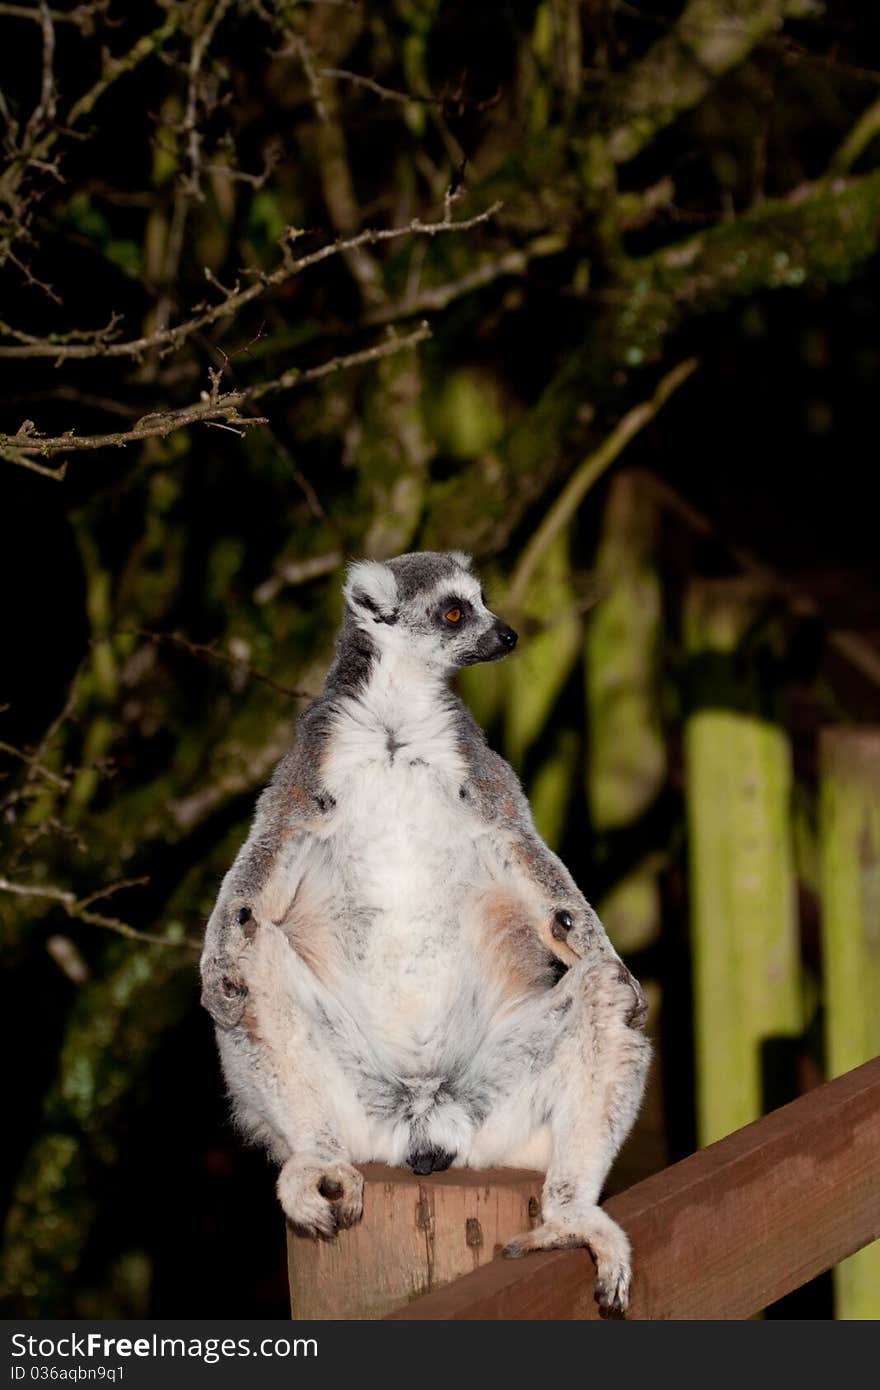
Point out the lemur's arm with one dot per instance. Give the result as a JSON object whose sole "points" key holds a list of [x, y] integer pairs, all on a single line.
{"points": [[260, 884], [569, 924]]}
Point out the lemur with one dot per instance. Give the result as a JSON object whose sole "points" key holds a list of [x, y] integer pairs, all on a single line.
{"points": [[398, 967]]}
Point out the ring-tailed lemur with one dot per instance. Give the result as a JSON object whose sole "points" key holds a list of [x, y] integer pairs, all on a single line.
{"points": [[399, 969]]}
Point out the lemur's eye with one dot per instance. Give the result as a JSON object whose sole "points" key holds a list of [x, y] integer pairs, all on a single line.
{"points": [[453, 615]]}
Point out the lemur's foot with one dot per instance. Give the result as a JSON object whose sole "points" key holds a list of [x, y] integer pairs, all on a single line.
{"points": [[320, 1199], [606, 1243]]}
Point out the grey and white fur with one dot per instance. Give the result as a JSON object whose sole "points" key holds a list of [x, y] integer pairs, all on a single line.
{"points": [[398, 967]]}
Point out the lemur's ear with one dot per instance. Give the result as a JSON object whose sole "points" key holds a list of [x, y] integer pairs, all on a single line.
{"points": [[371, 591], [461, 558]]}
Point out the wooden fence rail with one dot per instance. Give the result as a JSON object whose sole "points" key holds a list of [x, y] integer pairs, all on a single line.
{"points": [[723, 1233]]}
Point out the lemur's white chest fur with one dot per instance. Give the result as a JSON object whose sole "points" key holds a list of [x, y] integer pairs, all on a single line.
{"points": [[404, 857]]}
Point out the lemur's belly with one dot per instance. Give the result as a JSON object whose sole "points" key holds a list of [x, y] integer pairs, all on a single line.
{"points": [[408, 870], [396, 880]]}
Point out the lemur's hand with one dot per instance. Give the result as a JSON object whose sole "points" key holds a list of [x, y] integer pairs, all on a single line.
{"points": [[575, 931], [578, 934], [224, 991]]}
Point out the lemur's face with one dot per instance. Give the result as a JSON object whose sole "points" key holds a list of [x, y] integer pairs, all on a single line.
{"points": [[429, 606]]}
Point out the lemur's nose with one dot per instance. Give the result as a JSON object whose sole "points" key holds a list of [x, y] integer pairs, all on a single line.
{"points": [[506, 636]]}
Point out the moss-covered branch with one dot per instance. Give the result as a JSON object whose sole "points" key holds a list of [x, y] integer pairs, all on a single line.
{"points": [[825, 231]]}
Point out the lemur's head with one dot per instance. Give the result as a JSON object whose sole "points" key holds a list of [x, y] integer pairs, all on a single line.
{"points": [[429, 606]]}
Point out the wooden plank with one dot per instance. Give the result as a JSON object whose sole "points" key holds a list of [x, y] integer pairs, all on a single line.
{"points": [[725, 1232], [849, 843], [416, 1234]]}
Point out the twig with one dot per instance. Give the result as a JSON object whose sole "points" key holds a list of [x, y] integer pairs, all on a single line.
{"points": [[866, 129], [199, 47], [36, 767], [44, 112], [237, 299], [81, 16], [296, 377], [41, 135], [209, 651], [56, 474], [588, 474], [88, 335], [297, 572], [386, 93], [17, 446], [63, 714], [437, 297], [117, 67], [225, 407], [78, 909]]}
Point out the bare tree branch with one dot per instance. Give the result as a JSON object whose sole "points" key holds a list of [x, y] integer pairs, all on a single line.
{"points": [[866, 129], [209, 652], [83, 16], [42, 135], [291, 572], [211, 17], [79, 910], [437, 297], [385, 93], [36, 767], [224, 407], [44, 112], [98, 344]]}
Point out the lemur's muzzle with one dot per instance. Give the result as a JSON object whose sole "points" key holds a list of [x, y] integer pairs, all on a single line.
{"points": [[491, 645]]}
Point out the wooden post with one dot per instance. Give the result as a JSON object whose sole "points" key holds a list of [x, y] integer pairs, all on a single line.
{"points": [[746, 968], [417, 1234], [849, 825]]}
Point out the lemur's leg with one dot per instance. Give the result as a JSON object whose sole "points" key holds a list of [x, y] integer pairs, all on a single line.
{"points": [[590, 1091], [288, 1089], [571, 1061]]}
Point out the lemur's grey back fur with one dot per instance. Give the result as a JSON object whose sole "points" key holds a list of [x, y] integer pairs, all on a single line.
{"points": [[398, 967]]}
